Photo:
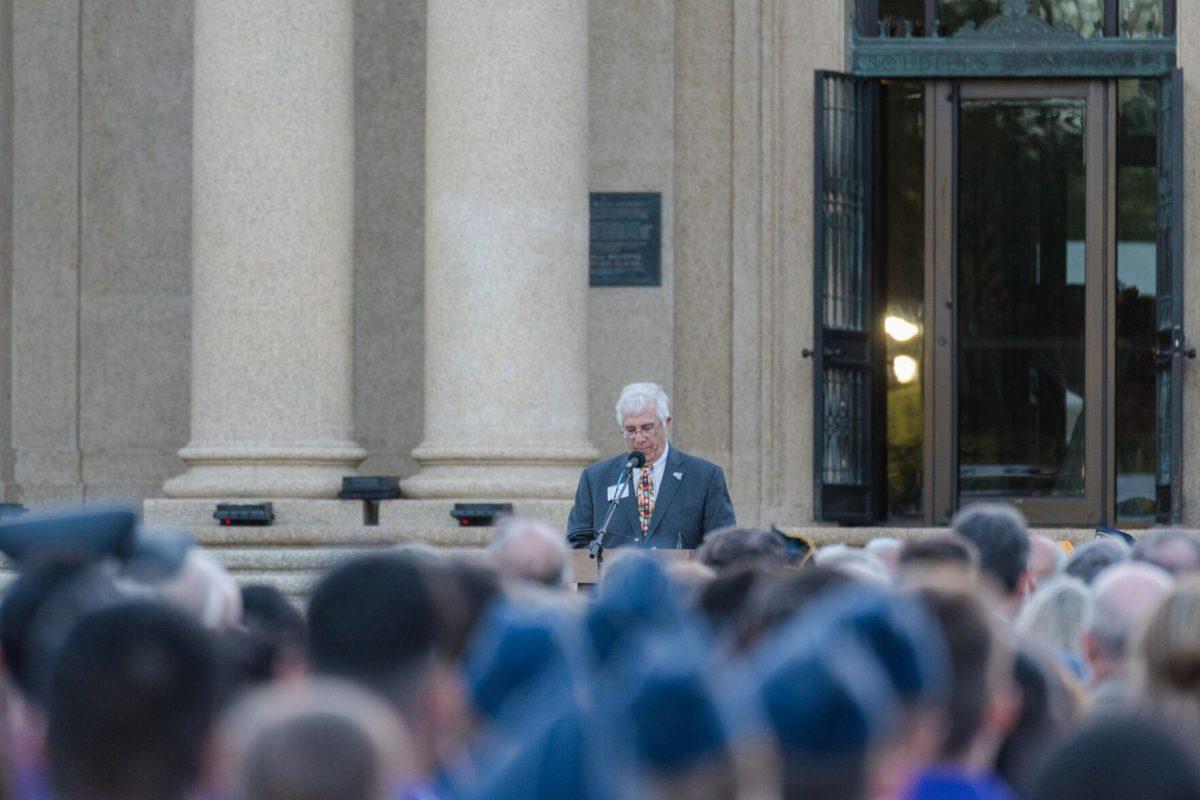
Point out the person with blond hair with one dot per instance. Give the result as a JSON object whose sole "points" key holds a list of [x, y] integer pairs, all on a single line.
{"points": [[1169, 669]]}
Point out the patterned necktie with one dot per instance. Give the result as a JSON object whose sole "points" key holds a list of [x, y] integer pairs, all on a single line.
{"points": [[645, 497]]}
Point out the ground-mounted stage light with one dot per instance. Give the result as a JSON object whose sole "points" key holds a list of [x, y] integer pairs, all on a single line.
{"points": [[471, 515], [244, 514]]}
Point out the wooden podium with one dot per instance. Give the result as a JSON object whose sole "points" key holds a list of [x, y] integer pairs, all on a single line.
{"points": [[583, 567]]}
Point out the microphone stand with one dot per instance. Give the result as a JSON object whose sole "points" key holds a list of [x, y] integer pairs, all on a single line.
{"points": [[596, 548]]}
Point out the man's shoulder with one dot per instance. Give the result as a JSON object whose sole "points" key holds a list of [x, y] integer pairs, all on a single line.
{"points": [[606, 465], [694, 462]]}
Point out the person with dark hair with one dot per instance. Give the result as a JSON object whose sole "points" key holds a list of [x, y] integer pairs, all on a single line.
{"points": [[1118, 758], [23, 600], [39, 610], [134, 693], [1002, 536], [269, 618], [375, 620], [982, 706], [1177, 552], [462, 590], [1092, 558], [724, 599], [727, 547], [1048, 710], [781, 595], [929, 560]]}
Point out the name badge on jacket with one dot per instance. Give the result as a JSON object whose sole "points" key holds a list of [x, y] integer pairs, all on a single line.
{"points": [[612, 490]]}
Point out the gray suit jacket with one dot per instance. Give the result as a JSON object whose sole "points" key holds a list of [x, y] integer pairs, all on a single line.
{"points": [[692, 500]]}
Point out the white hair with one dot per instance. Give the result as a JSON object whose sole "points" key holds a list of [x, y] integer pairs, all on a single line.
{"points": [[637, 396], [527, 549], [853, 562], [1057, 614]]}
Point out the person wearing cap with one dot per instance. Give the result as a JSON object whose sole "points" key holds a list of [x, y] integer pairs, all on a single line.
{"points": [[675, 498]]}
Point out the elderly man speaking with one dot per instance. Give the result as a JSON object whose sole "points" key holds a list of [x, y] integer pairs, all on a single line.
{"points": [[676, 498]]}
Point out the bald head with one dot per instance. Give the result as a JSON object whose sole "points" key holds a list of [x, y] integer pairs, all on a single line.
{"points": [[1176, 551], [1125, 596], [529, 550], [1046, 558]]}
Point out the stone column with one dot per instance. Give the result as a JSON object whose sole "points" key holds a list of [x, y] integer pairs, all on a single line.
{"points": [[506, 224], [272, 250]]}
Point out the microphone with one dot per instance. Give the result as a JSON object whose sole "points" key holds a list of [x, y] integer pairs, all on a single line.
{"points": [[635, 460]]}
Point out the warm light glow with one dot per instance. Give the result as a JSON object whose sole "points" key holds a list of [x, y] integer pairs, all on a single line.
{"points": [[900, 329], [905, 368]]}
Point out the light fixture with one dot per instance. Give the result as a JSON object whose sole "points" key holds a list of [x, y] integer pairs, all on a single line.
{"points": [[369, 487], [905, 368], [470, 515], [900, 329], [244, 514]]}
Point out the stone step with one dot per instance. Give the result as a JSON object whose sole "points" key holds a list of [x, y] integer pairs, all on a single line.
{"points": [[335, 536], [410, 515]]}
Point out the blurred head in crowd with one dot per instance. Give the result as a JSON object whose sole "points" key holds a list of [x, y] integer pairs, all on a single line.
{"points": [[1056, 617], [982, 704], [320, 740], [903, 640], [462, 590], [270, 619], [937, 559], [204, 590], [519, 656], [886, 549], [828, 710], [689, 577], [525, 549], [1000, 533], [1049, 708], [374, 619], [1046, 558], [1092, 558], [1124, 597], [1116, 758], [727, 547], [723, 600], [677, 741], [780, 596], [39, 611], [1177, 552], [134, 693], [1170, 655], [861, 566]]}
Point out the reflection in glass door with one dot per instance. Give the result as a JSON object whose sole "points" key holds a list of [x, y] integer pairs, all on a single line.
{"points": [[1019, 328]]}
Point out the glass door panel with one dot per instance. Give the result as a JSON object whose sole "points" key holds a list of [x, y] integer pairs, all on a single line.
{"points": [[1020, 282], [1021, 305]]}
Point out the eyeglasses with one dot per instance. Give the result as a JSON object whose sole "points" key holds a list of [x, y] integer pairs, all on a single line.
{"points": [[646, 430]]}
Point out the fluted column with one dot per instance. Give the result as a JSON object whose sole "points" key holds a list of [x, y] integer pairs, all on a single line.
{"points": [[272, 248], [505, 250]]}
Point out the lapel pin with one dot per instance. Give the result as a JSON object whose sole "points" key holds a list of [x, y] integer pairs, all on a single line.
{"points": [[678, 476]]}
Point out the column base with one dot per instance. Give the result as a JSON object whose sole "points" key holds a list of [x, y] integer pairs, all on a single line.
{"points": [[312, 472], [486, 474]]}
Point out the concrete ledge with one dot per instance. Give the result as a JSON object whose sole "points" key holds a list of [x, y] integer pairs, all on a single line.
{"points": [[401, 514], [436, 513], [199, 513]]}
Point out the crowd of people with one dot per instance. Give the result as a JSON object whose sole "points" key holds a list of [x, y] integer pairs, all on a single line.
{"points": [[983, 662]]}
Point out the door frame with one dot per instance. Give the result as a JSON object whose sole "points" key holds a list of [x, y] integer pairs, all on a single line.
{"points": [[941, 467]]}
